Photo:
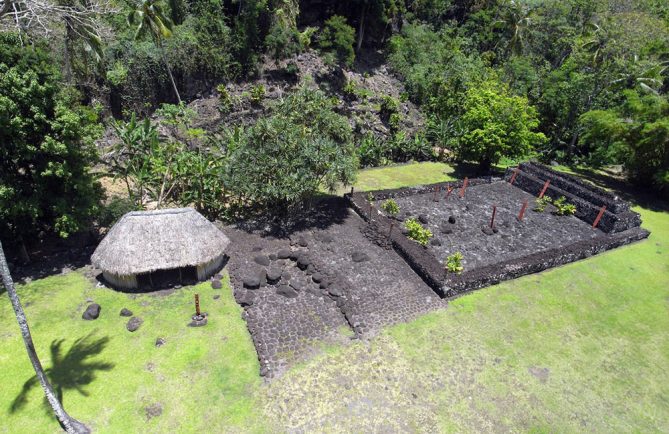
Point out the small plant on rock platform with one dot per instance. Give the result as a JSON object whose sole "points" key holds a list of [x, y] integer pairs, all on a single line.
{"points": [[541, 204], [257, 94], [454, 263], [391, 207], [417, 232], [564, 208]]}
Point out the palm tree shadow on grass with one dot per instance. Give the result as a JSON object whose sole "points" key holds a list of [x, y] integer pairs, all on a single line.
{"points": [[72, 371]]}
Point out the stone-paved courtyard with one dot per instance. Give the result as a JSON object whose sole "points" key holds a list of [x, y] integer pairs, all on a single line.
{"points": [[320, 282]]}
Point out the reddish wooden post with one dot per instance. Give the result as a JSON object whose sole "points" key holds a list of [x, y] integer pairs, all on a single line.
{"points": [[449, 191], [513, 177], [543, 190], [599, 216], [435, 196], [390, 231], [464, 187], [197, 304], [492, 220], [522, 211]]}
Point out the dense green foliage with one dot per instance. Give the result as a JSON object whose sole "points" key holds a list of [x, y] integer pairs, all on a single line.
{"points": [[495, 124], [46, 143], [575, 81], [636, 134], [338, 37], [302, 146]]}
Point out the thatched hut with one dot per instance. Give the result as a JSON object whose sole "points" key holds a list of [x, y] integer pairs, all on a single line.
{"points": [[154, 249]]}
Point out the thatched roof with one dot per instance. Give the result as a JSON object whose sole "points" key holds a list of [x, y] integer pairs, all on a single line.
{"points": [[145, 241]]}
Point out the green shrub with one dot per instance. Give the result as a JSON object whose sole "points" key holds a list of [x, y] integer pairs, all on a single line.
{"points": [[389, 105], [114, 210], [224, 98], [257, 93], [338, 37], [564, 208], [454, 263], [540, 204], [417, 232], [394, 121], [391, 207]]}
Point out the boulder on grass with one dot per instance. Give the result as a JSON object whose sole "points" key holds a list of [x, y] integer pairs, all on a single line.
{"points": [[216, 284], [125, 312], [160, 342], [92, 312], [134, 323]]}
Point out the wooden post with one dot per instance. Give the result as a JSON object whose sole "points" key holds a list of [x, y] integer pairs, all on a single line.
{"points": [[522, 211], [371, 207], [351, 191], [599, 217], [390, 231], [450, 190], [492, 220], [435, 196], [197, 304], [513, 177], [464, 187], [543, 190]]}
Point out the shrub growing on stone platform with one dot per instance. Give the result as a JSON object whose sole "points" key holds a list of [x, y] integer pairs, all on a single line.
{"points": [[541, 204], [391, 207], [417, 232], [454, 263], [564, 208]]}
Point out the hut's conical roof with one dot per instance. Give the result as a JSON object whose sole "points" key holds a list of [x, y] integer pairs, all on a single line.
{"points": [[145, 241]]}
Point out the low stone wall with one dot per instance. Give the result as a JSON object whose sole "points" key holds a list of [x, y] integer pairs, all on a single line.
{"points": [[410, 191], [575, 186], [585, 210], [455, 284], [448, 284]]}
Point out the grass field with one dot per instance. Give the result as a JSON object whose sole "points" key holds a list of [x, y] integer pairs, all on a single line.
{"points": [[583, 347]]}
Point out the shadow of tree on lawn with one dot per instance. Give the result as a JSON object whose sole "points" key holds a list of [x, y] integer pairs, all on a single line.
{"points": [[70, 371]]}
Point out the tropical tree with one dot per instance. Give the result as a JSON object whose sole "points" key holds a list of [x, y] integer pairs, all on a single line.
{"points": [[67, 422], [516, 20], [46, 143], [148, 17], [495, 124]]}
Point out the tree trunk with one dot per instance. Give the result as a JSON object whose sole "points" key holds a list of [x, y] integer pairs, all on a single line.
{"points": [[361, 28], [68, 423], [169, 71], [23, 251]]}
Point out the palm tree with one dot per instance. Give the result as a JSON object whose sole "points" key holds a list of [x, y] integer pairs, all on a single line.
{"points": [[67, 422], [516, 19], [149, 18]]}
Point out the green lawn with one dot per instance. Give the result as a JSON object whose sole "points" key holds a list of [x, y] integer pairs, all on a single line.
{"points": [[583, 347], [205, 379], [401, 176]]}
